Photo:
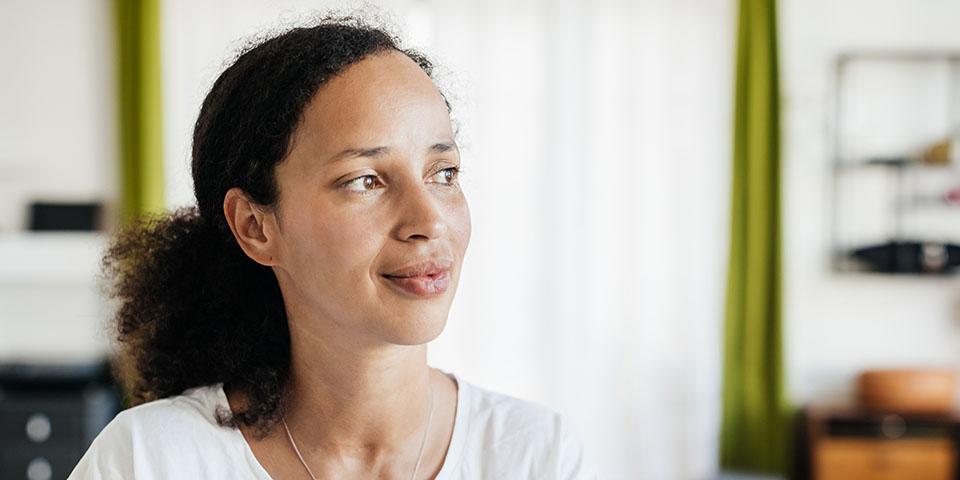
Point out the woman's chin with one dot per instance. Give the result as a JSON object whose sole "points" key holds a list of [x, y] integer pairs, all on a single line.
{"points": [[417, 332], [414, 323]]}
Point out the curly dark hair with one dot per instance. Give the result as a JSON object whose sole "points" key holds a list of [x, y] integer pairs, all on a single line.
{"points": [[193, 309]]}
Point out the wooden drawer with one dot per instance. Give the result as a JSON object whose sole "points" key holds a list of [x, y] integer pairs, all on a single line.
{"points": [[903, 459]]}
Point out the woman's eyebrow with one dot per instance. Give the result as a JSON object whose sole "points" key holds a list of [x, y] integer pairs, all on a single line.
{"points": [[358, 152], [441, 147]]}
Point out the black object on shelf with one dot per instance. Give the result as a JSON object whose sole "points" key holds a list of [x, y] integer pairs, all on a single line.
{"points": [[77, 217], [49, 415], [910, 257], [890, 161]]}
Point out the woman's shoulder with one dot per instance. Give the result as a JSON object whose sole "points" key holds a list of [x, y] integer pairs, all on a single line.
{"points": [[505, 435], [161, 420], [165, 437], [504, 416]]}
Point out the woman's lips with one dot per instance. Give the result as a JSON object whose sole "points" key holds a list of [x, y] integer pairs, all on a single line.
{"points": [[423, 285]]}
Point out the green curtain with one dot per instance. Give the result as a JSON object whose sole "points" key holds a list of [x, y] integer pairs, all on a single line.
{"points": [[137, 25], [755, 419]]}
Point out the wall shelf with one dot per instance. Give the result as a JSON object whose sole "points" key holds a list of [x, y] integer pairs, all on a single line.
{"points": [[50, 257], [53, 309], [896, 168]]}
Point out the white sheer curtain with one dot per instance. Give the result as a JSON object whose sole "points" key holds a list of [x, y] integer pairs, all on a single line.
{"points": [[596, 156]]}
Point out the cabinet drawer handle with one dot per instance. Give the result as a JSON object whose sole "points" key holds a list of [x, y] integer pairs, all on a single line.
{"points": [[38, 428], [39, 469], [893, 426]]}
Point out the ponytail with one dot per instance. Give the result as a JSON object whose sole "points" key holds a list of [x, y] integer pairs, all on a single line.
{"points": [[195, 310]]}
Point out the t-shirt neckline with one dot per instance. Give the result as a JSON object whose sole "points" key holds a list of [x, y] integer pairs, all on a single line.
{"points": [[461, 427]]}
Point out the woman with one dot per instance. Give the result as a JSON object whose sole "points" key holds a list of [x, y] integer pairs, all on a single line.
{"points": [[279, 329]]}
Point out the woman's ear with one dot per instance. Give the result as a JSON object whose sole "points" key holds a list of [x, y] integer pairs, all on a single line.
{"points": [[248, 223]]}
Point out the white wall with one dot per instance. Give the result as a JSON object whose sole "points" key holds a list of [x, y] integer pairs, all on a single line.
{"points": [[57, 142], [839, 324], [57, 105]]}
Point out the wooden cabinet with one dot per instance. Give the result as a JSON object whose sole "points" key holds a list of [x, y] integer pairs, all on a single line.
{"points": [[884, 459], [853, 444]]}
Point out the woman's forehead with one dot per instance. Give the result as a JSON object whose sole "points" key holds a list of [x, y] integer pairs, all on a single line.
{"points": [[383, 99], [379, 78]]}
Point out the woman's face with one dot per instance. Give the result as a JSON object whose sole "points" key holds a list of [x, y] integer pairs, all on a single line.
{"points": [[372, 224]]}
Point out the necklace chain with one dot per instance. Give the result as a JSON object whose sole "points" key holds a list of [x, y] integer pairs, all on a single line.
{"points": [[423, 443]]}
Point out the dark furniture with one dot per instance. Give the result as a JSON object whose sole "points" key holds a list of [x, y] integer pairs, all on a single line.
{"points": [[49, 415]]}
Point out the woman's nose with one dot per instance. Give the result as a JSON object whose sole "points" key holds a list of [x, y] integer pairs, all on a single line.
{"points": [[419, 215]]}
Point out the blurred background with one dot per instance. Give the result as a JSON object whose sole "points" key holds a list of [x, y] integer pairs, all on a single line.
{"points": [[718, 236]]}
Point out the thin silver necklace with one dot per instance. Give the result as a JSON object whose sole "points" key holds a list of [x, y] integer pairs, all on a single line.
{"points": [[423, 442]]}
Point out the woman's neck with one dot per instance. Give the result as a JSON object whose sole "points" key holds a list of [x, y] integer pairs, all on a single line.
{"points": [[356, 406], [348, 428], [358, 399]]}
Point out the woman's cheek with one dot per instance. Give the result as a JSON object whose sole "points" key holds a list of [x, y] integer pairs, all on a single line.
{"points": [[464, 227]]}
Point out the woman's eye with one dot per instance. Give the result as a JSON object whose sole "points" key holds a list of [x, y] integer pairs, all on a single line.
{"points": [[447, 175], [362, 184]]}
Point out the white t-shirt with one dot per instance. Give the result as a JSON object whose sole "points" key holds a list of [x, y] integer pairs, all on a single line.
{"points": [[494, 437]]}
